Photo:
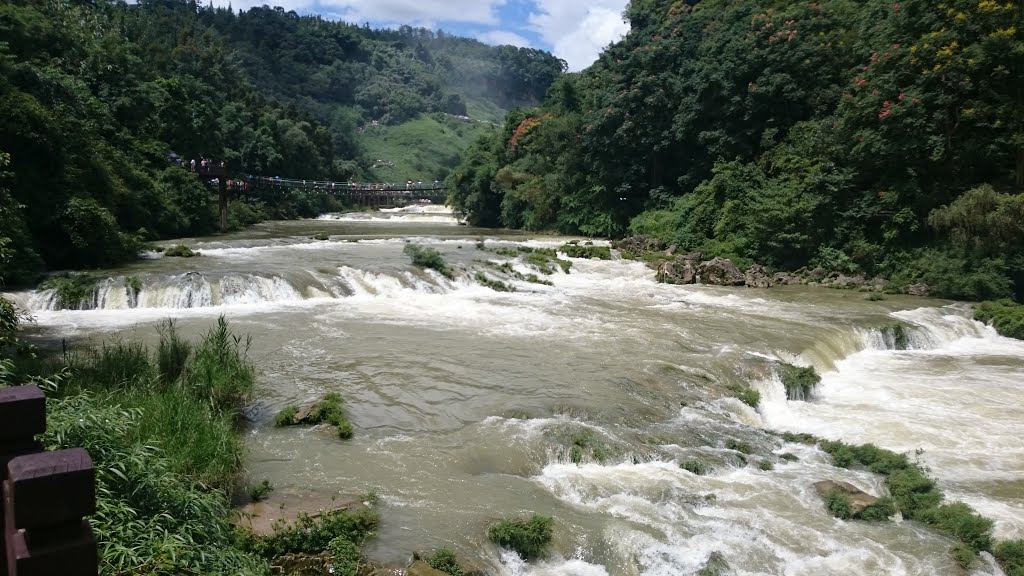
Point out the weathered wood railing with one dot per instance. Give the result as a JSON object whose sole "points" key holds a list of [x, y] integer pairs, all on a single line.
{"points": [[46, 495]]}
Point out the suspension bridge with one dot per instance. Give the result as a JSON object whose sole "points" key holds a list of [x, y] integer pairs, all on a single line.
{"points": [[373, 194]]}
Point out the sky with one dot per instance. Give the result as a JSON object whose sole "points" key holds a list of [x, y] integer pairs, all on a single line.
{"points": [[574, 30]]}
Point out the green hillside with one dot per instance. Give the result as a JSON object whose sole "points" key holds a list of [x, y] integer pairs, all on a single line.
{"points": [[424, 148]]}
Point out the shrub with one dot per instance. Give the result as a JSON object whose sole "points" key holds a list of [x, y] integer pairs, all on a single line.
{"points": [[496, 285], [800, 381], [963, 555], [286, 417], [789, 456], [895, 335], [260, 491], [749, 396], [766, 465], [134, 285], [912, 491], [425, 257], [742, 447], [838, 505], [1006, 316], [72, 291], [529, 538], [180, 251], [583, 441], [321, 236], [695, 467], [881, 510], [874, 297], [344, 556], [1010, 555], [961, 522], [444, 560], [576, 251], [309, 535]]}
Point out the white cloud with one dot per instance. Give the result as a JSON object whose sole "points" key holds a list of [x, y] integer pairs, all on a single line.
{"points": [[579, 31], [413, 12], [502, 37]]}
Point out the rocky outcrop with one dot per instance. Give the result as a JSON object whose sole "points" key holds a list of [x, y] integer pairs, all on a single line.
{"points": [[421, 568], [757, 277], [859, 499], [639, 244], [720, 272], [468, 566]]}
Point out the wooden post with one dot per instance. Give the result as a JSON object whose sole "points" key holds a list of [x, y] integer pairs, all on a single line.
{"points": [[45, 495], [222, 185]]}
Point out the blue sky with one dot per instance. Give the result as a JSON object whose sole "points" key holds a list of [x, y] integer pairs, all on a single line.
{"points": [[574, 30]]}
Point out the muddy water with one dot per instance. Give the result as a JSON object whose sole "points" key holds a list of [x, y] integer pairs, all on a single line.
{"points": [[466, 400]]}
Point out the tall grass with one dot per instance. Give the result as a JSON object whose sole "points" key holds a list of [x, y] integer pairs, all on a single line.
{"points": [[172, 352], [220, 371]]}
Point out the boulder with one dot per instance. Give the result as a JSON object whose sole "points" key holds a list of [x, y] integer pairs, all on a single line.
{"points": [[918, 289], [859, 499], [301, 564], [639, 244], [757, 277], [677, 271], [844, 281], [421, 568], [817, 275], [721, 272]]}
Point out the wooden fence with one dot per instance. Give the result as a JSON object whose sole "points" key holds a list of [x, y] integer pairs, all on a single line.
{"points": [[46, 495]]}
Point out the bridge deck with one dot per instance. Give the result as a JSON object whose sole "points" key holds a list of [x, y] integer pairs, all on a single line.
{"points": [[350, 187]]}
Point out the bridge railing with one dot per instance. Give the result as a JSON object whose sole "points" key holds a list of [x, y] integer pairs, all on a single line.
{"points": [[46, 495], [349, 186]]}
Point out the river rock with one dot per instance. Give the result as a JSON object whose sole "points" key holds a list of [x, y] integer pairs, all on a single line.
{"points": [[859, 499], [757, 277], [721, 272], [844, 281], [421, 568], [677, 271], [639, 244], [301, 564]]}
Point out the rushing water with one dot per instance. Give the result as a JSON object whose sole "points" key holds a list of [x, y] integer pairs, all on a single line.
{"points": [[465, 399]]}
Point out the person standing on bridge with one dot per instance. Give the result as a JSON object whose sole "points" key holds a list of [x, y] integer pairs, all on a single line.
{"points": [[192, 165]]}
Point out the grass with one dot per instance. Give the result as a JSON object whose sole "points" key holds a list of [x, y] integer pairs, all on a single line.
{"points": [[425, 148], [496, 285], [167, 449], [424, 257], [311, 535], [180, 251], [766, 465], [917, 497], [800, 381], [530, 538], [895, 335], [1006, 316], [741, 447], [330, 409], [444, 559], [543, 259], [72, 291], [838, 504], [320, 236], [874, 297], [576, 251], [583, 444], [695, 467], [747, 395], [259, 492], [133, 285]]}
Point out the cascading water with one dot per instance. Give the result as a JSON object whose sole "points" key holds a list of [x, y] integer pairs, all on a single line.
{"points": [[581, 399]]}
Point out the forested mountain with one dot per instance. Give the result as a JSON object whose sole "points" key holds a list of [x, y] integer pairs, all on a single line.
{"points": [[98, 95], [877, 136]]}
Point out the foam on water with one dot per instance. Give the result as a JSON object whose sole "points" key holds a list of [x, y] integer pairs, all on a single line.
{"points": [[426, 214]]}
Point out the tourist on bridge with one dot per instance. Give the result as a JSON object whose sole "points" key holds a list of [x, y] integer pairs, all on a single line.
{"points": [[192, 165]]}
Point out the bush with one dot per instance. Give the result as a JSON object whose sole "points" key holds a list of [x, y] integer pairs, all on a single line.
{"points": [[321, 236], [838, 504], [72, 291], [789, 457], [961, 522], [425, 257], [577, 251], [747, 395], [584, 441], [344, 557], [496, 285], [881, 510], [444, 560], [766, 465], [180, 251], [286, 417], [738, 446], [309, 535], [800, 381], [1006, 316], [529, 538], [895, 334], [695, 467], [1010, 555], [260, 491]]}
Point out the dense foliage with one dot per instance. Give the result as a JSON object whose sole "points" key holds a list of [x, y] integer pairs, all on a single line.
{"points": [[101, 99], [1005, 316], [879, 136]]}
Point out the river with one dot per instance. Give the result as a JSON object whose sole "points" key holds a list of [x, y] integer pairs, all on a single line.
{"points": [[465, 400]]}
